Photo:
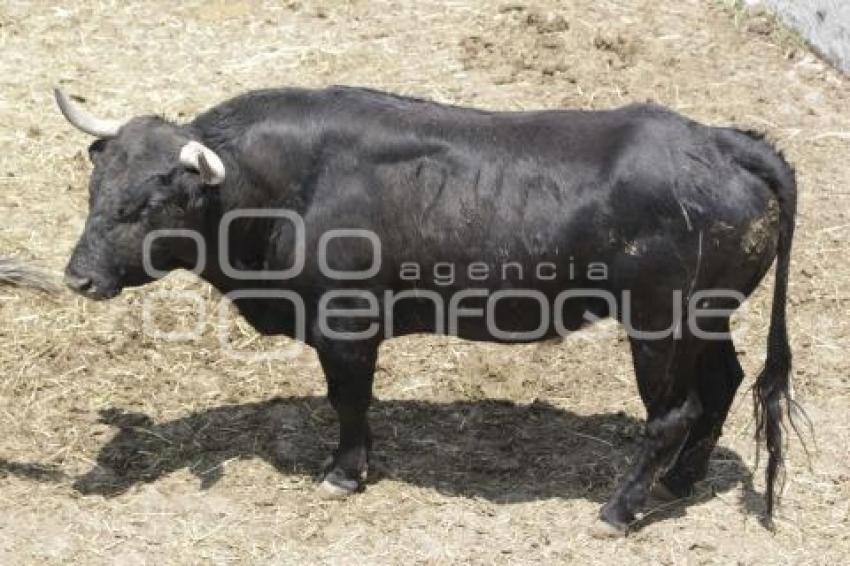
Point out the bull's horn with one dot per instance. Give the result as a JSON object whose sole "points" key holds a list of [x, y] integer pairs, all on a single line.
{"points": [[84, 121], [199, 157]]}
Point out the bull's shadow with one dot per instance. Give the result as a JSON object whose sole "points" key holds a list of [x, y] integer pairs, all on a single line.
{"points": [[493, 449]]}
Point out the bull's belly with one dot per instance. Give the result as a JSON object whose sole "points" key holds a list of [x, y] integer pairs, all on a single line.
{"points": [[502, 316]]}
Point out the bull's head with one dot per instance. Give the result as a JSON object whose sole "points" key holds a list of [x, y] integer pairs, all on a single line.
{"points": [[148, 175]]}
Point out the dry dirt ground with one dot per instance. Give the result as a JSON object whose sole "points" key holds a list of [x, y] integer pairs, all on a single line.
{"points": [[116, 446]]}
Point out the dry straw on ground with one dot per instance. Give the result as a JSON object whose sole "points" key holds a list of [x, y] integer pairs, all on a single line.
{"points": [[119, 447]]}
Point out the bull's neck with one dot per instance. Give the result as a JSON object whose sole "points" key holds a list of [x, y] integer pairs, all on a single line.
{"points": [[256, 184]]}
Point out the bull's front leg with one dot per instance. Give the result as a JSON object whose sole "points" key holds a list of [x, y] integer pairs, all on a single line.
{"points": [[349, 369]]}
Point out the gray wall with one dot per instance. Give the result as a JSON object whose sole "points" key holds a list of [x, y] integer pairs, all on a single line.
{"points": [[824, 23]]}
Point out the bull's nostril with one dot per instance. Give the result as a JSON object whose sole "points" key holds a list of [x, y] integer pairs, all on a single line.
{"points": [[77, 283]]}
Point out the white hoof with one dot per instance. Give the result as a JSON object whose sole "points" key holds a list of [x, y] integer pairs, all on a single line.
{"points": [[329, 490], [605, 530]]}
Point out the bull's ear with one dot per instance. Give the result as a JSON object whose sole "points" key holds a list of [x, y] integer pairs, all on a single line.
{"points": [[96, 148]]}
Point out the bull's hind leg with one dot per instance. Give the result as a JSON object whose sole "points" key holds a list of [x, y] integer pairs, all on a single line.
{"points": [[349, 369], [663, 369], [718, 375]]}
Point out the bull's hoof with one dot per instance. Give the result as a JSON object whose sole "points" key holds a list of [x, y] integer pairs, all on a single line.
{"points": [[332, 491], [602, 529], [335, 485], [613, 522]]}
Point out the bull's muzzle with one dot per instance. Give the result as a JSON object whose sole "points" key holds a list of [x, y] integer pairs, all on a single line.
{"points": [[88, 286], [78, 283]]}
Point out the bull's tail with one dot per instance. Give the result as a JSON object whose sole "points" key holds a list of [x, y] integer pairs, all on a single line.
{"points": [[773, 391], [15, 272]]}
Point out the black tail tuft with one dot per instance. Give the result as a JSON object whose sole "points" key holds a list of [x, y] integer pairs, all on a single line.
{"points": [[772, 393]]}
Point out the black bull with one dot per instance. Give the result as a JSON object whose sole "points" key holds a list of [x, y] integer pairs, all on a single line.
{"points": [[492, 226]]}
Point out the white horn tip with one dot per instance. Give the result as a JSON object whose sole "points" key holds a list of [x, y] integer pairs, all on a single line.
{"points": [[82, 120]]}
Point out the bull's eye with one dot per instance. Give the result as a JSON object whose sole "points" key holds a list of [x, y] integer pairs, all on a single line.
{"points": [[130, 210], [128, 214]]}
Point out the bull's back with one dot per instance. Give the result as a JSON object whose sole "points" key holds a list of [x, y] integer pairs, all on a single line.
{"points": [[446, 184]]}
